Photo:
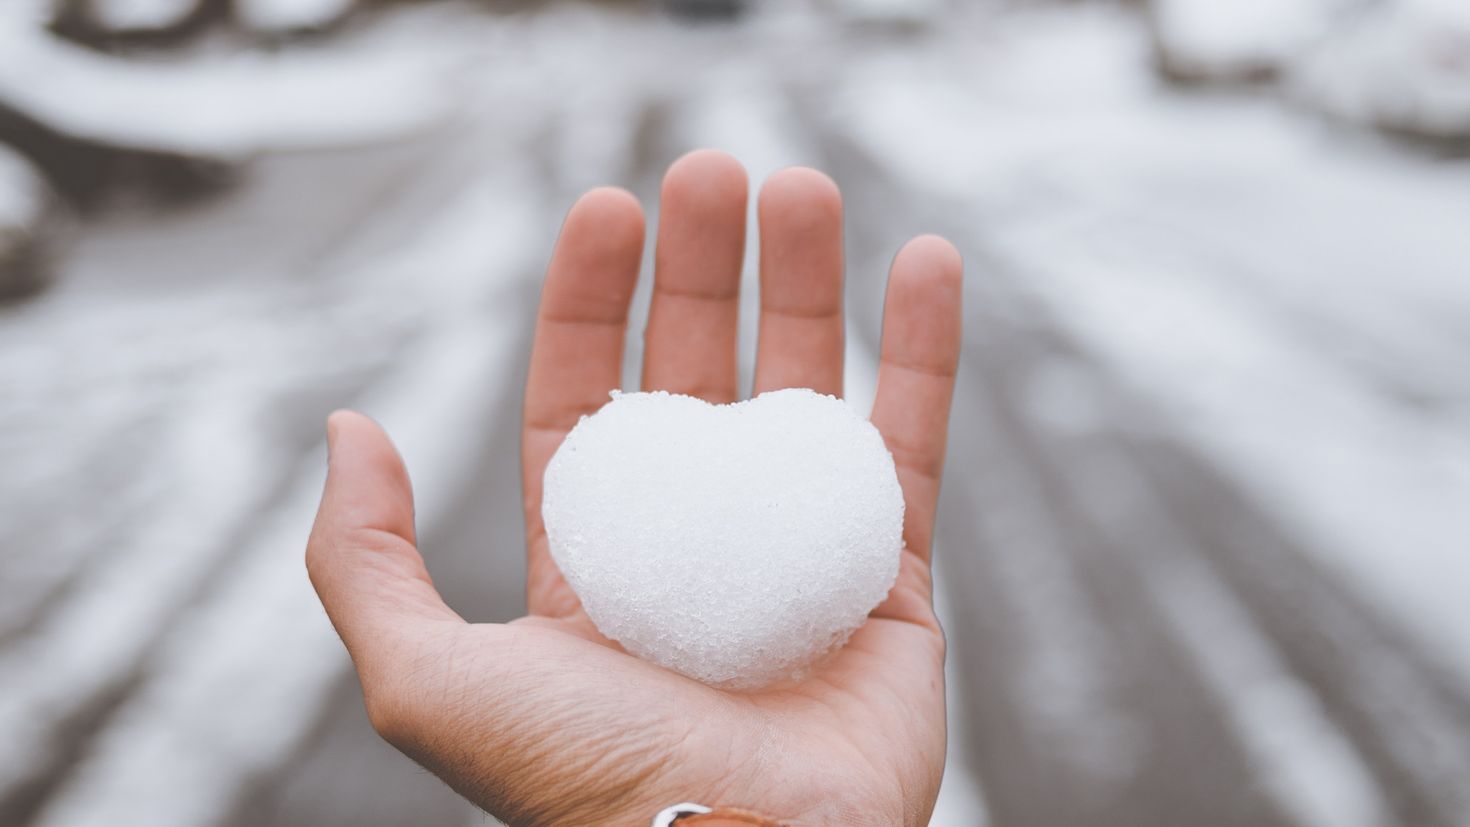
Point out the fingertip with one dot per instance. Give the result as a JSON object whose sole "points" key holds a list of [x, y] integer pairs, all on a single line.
{"points": [[346, 424], [930, 258], [594, 268], [612, 213], [348, 418], [923, 315], [702, 217], [710, 173], [806, 180], [927, 283], [800, 195], [608, 198]]}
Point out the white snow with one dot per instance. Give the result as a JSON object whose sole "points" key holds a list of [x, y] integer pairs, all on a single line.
{"points": [[1304, 759], [140, 15], [1403, 66], [290, 15], [1214, 39], [431, 278], [1295, 307], [734, 544], [1381, 488], [262, 645], [891, 12], [225, 106], [961, 801], [1285, 298]]}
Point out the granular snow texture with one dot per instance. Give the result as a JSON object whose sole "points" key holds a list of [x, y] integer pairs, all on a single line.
{"points": [[735, 544]]}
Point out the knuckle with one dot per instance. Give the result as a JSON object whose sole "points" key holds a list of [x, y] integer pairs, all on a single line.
{"points": [[391, 717], [405, 699]]}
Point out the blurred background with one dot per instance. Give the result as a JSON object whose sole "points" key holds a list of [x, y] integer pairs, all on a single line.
{"points": [[1205, 540]]}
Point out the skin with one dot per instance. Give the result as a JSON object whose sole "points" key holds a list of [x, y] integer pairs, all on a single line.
{"points": [[542, 721]]}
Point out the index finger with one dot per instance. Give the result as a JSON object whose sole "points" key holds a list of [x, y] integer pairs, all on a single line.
{"points": [[577, 355]]}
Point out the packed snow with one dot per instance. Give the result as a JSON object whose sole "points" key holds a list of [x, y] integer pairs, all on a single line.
{"points": [[732, 543]]}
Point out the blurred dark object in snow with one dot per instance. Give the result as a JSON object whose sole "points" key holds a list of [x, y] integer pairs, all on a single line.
{"points": [[132, 22], [89, 170], [110, 24], [900, 16], [275, 19], [29, 221], [1402, 68], [178, 127], [1240, 41], [712, 10]]}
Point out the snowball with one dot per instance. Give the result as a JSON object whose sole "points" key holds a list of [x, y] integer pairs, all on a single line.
{"points": [[735, 544]]}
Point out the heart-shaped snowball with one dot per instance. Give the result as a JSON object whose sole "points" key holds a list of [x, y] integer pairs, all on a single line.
{"points": [[735, 544]]}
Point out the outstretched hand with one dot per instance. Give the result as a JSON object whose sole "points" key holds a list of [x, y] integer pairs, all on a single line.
{"points": [[542, 721]]}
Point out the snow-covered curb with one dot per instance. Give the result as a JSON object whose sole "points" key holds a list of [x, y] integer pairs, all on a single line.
{"points": [[1404, 68], [225, 106], [28, 212], [1208, 41]]}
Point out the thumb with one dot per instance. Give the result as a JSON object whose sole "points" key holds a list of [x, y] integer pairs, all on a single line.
{"points": [[361, 556]]}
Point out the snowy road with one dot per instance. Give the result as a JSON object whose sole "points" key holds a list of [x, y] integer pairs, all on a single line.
{"points": [[1203, 537]]}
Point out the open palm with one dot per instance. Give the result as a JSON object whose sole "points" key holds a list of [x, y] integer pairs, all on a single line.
{"points": [[543, 721]]}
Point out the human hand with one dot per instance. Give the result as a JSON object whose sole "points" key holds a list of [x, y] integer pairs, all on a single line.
{"points": [[542, 721]]}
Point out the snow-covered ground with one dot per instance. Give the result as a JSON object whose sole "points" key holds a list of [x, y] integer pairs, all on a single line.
{"points": [[1299, 304], [1212, 275], [285, 16], [230, 105], [1288, 301], [1402, 66], [1239, 40], [129, 16]]}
